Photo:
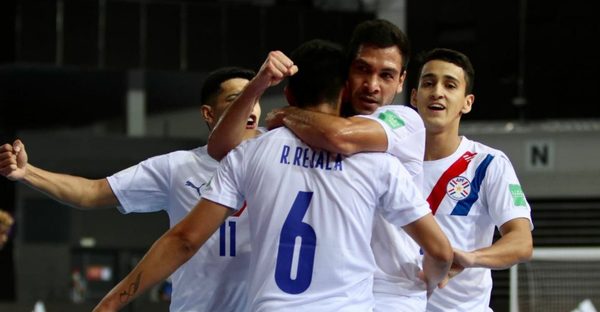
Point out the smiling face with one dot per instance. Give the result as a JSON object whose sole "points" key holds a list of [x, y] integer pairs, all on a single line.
{"points": [[375, 78], [229, 91], [441, 97]]}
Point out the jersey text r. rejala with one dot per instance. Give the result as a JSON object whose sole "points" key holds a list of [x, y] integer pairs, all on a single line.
{"points": [[308, 158]]}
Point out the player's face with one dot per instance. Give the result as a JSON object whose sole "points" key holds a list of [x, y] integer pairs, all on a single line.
{"points": [[440, 97], [375, 78], [230, 90]]}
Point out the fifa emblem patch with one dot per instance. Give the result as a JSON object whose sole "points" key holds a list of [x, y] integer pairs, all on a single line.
{"points": [[391, 119], [517, 195], [458, 188]]}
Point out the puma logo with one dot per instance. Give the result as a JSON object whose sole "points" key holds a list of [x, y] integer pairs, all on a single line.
{"points": [[197, 188]]}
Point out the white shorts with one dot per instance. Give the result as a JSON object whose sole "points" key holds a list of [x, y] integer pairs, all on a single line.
{"points": [[397, 303]]}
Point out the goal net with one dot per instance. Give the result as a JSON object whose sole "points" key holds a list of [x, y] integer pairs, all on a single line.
{"points": [[557, 279]]}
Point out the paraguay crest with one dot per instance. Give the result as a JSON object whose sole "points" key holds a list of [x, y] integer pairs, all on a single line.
{"points": [[458, 188]]}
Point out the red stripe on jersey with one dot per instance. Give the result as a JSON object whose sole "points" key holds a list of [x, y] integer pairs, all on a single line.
{"points": [[239, 212], [439, 189]]}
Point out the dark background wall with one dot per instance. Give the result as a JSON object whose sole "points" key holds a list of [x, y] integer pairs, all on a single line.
{"points": [[51, 71], [81, 62], [559, 64]]}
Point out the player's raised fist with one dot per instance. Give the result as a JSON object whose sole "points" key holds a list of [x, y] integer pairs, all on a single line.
{"points": [[276, 67], [13, 160]]}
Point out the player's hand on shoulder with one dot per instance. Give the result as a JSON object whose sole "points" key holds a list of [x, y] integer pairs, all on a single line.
{"points": [[13, 160]]}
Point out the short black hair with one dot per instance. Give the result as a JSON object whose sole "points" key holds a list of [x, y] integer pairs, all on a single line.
{"points": [[321, 73], [212, 83], [451, 56], [382, 34]]}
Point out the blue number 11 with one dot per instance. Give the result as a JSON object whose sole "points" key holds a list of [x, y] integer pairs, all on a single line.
{"points": [[223, 238], [294, 228]]}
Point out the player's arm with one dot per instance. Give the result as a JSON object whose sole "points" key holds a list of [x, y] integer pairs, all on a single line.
{"points": [[167, 254], [230, 128], [72, 190], [515, 246], [436, 248], [336, 134]]}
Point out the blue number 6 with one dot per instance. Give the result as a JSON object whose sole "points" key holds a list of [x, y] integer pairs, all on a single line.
{"points": [[293, 227]]}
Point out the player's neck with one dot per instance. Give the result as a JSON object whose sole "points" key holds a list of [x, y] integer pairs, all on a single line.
{"points": [[441, 145]]}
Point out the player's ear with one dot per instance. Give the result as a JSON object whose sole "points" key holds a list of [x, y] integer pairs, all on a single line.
{"points": [[401, 84], [207, 114], [413, 98], [469, 99], [289, 95]]}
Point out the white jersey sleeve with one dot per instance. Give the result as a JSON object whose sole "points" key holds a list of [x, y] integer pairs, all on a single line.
{"points": [[505, 198], [405, 134], [224, 186], [143, 187]]}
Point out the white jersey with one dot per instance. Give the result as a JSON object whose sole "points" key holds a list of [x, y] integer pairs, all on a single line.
{"points": [[215, 279], [396, 253], [471, 192], [311, 216]]}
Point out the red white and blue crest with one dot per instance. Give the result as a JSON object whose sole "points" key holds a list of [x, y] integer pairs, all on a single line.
{"points": [[458, 188]]}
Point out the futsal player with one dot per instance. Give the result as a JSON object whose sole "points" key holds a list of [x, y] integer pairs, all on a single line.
{"points": [[472, 188], [377, 56], [172, 183]]}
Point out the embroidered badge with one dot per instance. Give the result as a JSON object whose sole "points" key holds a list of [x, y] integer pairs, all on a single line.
{"points": [[458, 188], [390, 118], [517, 195]]}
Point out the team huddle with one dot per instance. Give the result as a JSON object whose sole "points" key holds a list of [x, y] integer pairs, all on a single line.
{"points": [[343, 202]]}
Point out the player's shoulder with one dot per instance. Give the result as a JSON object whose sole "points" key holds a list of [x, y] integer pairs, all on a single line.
{"points": [[397, 116], [196, 153], [401, 110], [500, 158], [483, 148], [179, 157]]}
